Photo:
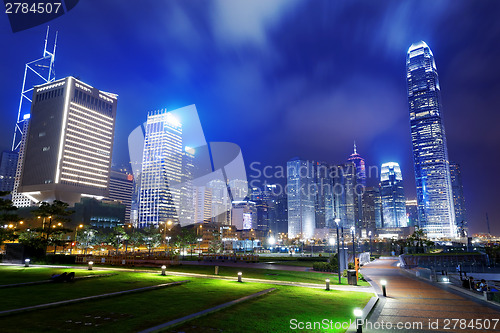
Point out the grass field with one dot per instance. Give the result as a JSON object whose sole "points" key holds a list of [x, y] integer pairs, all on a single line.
{"points": [[130, 313], [268, 274]]}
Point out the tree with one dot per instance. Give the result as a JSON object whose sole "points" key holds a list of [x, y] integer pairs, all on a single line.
{"points": [[215, 244], [7, 217], [86, 238], [151, 237], [53, 216], [186, 238], [116, 237]]}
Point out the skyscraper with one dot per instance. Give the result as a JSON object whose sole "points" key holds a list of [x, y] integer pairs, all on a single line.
{"points": [[301, 199], [371, 209], [8, 165], [121, 187], [458, 197], [69, 142], [393, 196], [359, 162], [161, 173], [430, 153]]}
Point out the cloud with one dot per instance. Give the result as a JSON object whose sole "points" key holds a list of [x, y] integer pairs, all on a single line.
{"points": [[247, 21]]}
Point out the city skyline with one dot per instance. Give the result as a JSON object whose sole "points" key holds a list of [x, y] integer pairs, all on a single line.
{"points": [[304, 112]]}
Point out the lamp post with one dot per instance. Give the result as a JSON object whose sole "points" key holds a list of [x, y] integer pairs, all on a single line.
{"points": [[353, 246], [337, 221], [199, 243], [358, 314], [76, 234], [370, 235], [168, 243], [384, 284], [167, 224]]}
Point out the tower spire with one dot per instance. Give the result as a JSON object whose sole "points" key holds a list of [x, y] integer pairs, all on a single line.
{"points": [[355, 151]]}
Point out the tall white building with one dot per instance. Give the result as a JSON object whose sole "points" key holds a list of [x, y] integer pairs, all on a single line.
{"points": [[69, 142], [393, 196]]}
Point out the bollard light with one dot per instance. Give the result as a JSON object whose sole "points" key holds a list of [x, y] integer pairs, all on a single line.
{"points": [[358, 313], [239, 276], [27, 263], [91, 263], [163, 268], [384, 284], [327, 282]]}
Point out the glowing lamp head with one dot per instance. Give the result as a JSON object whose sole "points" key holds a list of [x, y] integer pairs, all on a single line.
{"points": [[27, 260], [240, 273], [383, 282], [358, 313], [327, 280], [91, 262], [163, 267]]}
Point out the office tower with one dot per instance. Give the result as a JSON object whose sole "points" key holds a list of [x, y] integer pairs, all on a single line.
{"points": [[8, 165], [412, 213], [239, 189], [430, 153], [301, 199], [202, 200], [458, 197], [324, 202], [186, 200], [244, 215], [161, 173], [121, 186], [18, 199], [220, 204], [359, 162], [393, 196], [372, 214], [347, 196], [69, 142], [279, 215], [99, 213]]}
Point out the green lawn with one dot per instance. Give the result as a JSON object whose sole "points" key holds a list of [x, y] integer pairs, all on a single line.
{"points": [[16, 274], [268, 274], [130, 313], [274, 312]]}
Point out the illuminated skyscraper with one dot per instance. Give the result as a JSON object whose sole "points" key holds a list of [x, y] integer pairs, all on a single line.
{"points": [[69, 141], [430, 153], [301, 199], [458, 196], [359, 162], [393, 196], [161, 173]]}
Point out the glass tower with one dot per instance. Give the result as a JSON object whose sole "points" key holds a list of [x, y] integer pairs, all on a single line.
{"points": [[161, 174], [393, 196], [458, 197], [430, 154]]}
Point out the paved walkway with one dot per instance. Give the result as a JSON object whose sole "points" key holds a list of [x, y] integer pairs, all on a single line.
{"points": [[419, 306]]}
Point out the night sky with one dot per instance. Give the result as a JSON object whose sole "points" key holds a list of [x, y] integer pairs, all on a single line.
{"points": [[286, 78]]}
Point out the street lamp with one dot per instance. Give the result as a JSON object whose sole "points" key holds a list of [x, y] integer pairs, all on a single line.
{"points": [[337, 221], [384, 284], [370, 235], [199, 243], [358, 313], [332, 243], [353, 245], [168, 242]]}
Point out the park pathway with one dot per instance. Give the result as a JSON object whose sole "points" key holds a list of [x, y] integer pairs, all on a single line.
{"points": [[410, 301]]}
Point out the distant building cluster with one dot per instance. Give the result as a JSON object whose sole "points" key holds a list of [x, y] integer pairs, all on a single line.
{"points": [[176, 177]]}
